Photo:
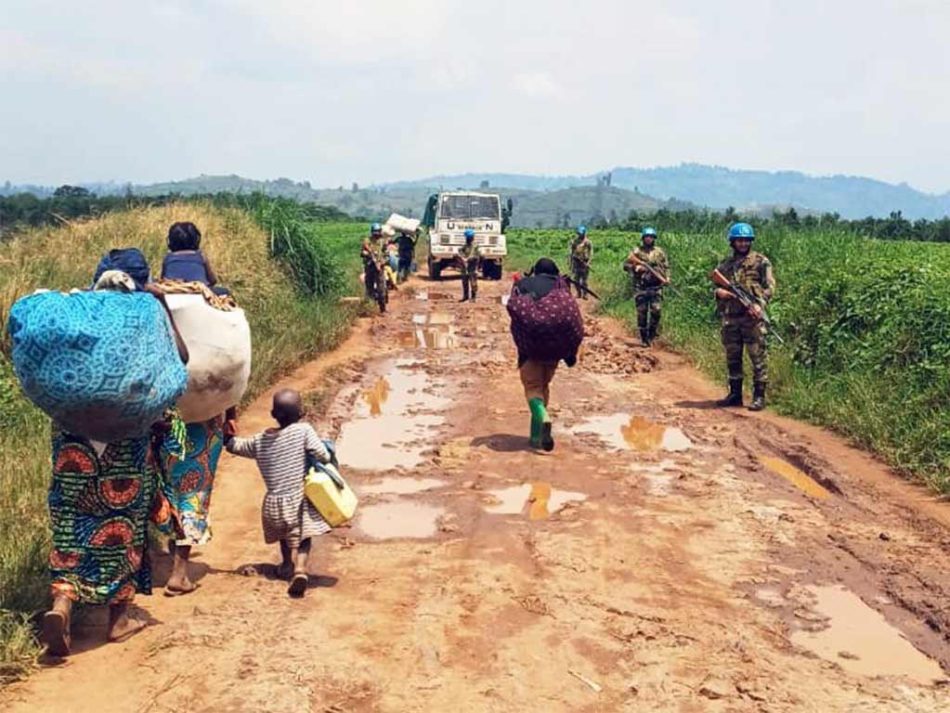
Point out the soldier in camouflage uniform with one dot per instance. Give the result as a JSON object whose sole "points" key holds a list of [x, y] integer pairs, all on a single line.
{"points": [[741, 327], [581, 253], [469, 255], [371, 252], [647, 287]]}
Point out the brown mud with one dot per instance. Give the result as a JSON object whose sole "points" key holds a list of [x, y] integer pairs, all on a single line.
{"points": [[667, 556]]}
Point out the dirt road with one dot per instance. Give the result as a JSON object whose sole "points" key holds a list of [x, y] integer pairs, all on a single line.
{"points": [[667, 556]]}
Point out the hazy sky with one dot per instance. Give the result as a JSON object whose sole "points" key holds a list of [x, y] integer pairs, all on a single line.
{"points": [[372, 91]]}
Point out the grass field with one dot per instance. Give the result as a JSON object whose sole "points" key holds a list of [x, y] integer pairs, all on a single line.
{"points": [[292, 304], [866, 324]]}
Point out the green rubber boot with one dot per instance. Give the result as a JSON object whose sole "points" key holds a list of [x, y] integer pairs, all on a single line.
{"points": [[539, 415], [535, 432]]}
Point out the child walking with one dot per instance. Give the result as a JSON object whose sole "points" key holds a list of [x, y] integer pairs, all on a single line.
{"points": [[282, 455]]}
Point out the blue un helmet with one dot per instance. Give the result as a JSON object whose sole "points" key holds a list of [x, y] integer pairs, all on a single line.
{"points": [[741, 231], [582, 230], [648, 233], [376, 229], [469, 234]]}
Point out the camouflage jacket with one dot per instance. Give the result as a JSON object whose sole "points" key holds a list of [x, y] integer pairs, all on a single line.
{"points": [[468, 257], [656, 258], [582, 251], [371, 251], [753, 272]]}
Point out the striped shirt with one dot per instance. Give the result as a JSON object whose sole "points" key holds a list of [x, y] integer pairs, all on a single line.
{"points": [[281, 455]]}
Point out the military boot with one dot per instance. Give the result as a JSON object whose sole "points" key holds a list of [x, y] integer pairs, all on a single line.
{"points": [[645, 336], [758, 397], [735, 395]]}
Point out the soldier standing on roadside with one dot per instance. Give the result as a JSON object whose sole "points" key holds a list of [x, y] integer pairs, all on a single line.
{"points": [[741, 327], [582, 252], [468, 259], [647, 286]]}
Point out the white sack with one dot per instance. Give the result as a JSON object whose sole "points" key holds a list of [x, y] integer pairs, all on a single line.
{"points": [[219, 349]]}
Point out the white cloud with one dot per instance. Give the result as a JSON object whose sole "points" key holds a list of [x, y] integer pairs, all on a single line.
{"points": [[539, 85]]}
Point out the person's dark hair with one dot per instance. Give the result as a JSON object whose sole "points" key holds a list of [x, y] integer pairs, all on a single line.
{"points": [[545, 266], [287, 408], [183, 236]]}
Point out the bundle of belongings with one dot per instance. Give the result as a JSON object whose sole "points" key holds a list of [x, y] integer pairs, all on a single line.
{"points": [[218, 338]]}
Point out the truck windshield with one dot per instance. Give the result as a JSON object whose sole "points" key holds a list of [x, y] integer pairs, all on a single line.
{"points": [[469, 207]]}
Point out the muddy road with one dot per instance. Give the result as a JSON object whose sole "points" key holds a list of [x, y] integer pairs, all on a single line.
{"points": [[667, 556]]}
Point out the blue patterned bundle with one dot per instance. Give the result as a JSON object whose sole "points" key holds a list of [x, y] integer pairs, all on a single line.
{"points": [[101, 364]]}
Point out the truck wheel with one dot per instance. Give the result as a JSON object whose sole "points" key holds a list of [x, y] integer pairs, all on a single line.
{"points": [[492, 271]]}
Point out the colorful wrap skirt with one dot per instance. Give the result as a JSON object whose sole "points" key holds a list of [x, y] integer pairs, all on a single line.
{"points": [[100, 501], [188, 479]]}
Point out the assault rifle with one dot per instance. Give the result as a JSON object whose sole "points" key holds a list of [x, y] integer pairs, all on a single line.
{"points": [[572, 281], [749, 302], [632, 259]]}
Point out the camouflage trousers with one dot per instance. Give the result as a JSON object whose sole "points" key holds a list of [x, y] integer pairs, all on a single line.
{"points": [[649, 310], [469, 285], [749, 333], [580, 272]]}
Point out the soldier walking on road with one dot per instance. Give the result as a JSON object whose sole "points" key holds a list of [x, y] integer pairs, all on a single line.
{"points": [[374, 280], [751, 271], [650, 270], [469, 257], [582, 252]]}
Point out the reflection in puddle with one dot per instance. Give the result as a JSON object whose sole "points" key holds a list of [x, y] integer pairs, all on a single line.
{"points": [[394, 421], [861, 641], [539, 498], [376, 396], [432, 331], [399, 486], [422, 295], [796, 477], [399, 518], [637, 433]]}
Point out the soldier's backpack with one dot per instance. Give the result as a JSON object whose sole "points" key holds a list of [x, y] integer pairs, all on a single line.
{"points": [[550, 328]]}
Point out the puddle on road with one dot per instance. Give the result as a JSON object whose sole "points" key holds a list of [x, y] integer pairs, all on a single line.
{"points": [[538, 498], [399, 518], [435, 330], [422, 295], [394, 420], [400, 486], [637, 433], [796, 477], [861, 641]]}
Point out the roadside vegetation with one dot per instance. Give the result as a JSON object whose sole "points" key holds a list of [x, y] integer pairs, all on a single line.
{"points": [[866, 324], [287, 272]]}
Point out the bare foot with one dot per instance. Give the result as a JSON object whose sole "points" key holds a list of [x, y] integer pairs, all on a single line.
{"points": [[121, 625], [298, 585], [56, 628], [178, 585]]}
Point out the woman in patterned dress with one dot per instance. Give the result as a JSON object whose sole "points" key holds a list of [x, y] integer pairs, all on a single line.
{"points": [[188, 482], [101, 498]]}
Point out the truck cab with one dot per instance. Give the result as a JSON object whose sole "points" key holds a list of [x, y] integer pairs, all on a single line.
{"points": [[448, 215]]}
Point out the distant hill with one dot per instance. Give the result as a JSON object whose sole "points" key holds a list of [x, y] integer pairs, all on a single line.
{"points": [[556, 200], [533, 208], [718, 188]]}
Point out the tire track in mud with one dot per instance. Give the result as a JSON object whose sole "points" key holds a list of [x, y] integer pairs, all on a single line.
{"points": [[652, 562]]}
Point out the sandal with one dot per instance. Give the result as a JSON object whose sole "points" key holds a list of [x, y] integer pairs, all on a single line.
{"points": [[56, 633]]}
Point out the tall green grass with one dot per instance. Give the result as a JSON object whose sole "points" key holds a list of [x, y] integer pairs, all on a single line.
{"points": [[866, 323], [292, 304]]}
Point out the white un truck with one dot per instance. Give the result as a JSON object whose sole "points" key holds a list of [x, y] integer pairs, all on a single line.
{"points": [[448, 215]]}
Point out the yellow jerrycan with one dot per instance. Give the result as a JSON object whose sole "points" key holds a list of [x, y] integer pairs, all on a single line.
{"points": [[333, 498]]}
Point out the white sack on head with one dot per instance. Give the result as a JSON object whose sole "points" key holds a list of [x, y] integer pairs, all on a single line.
{"points": [[219, 349]]}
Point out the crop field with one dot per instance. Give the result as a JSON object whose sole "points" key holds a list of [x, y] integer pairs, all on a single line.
{"points": [[866, 325]]}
